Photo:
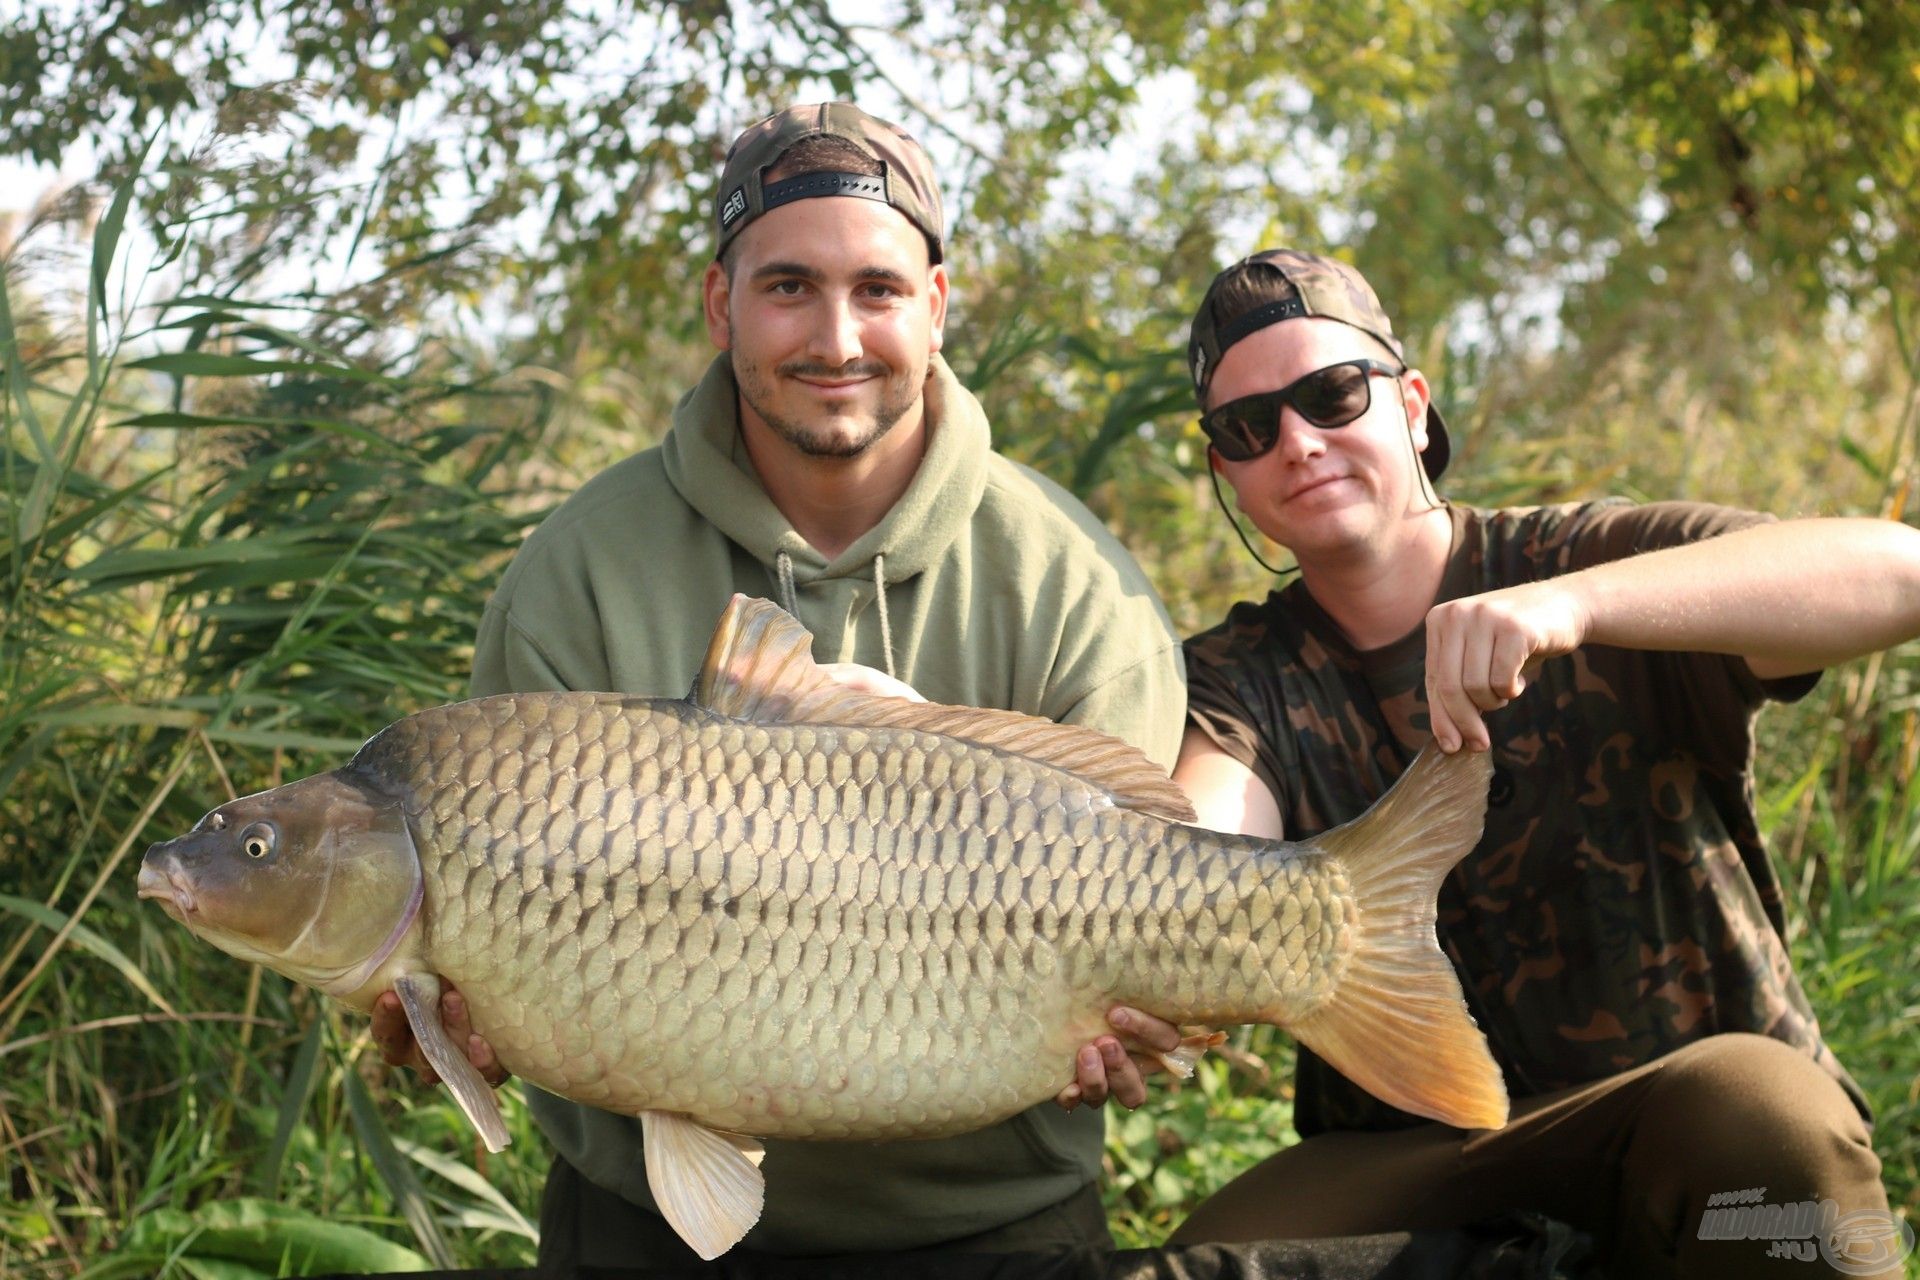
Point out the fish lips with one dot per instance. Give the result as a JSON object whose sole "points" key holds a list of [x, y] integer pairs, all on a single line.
{"points": [[162, 880]]}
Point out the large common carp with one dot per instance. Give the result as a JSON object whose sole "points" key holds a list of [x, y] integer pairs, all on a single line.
{"points": [[784, 908]]}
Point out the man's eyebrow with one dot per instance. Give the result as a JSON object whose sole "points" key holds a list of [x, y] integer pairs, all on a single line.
{"points": [[801, 271]]}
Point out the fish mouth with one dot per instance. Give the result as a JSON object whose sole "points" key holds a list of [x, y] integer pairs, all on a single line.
{"points": [[169, 888]]}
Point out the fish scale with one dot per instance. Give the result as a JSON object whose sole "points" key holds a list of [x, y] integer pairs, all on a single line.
{"points": [[781, 908]]}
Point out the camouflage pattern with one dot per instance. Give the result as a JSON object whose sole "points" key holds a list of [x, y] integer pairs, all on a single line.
{"points": [[1320, 287], [1620, 904]]}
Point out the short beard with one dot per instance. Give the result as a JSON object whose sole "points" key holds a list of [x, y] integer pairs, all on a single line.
{"points": [[757, 391]]}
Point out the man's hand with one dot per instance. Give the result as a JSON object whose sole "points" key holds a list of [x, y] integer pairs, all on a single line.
{"points": [[399, 1049], [1480, 649], [1116, 1066]]}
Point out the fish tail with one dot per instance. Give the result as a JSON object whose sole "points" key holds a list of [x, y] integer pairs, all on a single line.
{"points": [[1397, 1023]]}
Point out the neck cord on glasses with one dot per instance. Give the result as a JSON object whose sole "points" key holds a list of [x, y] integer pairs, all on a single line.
{"points": [[1420, 476], [1218, 501]]}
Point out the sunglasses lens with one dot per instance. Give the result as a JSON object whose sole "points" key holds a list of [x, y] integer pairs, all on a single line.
{"points": [[1332, 397], [1245, 428]]}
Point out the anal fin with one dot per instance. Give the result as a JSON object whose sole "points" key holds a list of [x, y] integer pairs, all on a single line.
{"points": [[420, 997], [707, 1183]]}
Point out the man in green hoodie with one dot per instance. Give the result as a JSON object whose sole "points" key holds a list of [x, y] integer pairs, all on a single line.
{"points": [[830, 460]]}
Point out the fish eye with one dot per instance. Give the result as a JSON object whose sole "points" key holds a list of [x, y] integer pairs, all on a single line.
{"points": [[257, 840]]}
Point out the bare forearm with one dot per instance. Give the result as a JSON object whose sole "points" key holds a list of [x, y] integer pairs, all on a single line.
{"points": [[1789, 597]]}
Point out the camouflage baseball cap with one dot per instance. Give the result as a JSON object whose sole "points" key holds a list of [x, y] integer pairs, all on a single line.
{"points": [[1315, 286], [905, 180]]}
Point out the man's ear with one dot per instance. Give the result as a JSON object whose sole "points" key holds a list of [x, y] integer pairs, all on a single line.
{"points": [[1215, 461], [716, 293], [1418, 395], [937, 299]]}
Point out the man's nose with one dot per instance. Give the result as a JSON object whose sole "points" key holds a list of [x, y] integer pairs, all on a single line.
{"points": [[1300, 440], [836, 339]]}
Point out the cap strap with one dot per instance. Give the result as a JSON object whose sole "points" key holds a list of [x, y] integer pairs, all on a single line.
{"points": [[825, 184], [1288, 308]]}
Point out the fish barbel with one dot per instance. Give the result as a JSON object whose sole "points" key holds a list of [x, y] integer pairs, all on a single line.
{"points": [[785, 908]]}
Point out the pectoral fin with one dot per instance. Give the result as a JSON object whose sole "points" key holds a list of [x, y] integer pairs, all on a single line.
{"points": [[707, 1183], [420, 996], [1185, 1056]]}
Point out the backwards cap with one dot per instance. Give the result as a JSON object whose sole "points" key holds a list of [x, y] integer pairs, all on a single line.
{"points": [[1316, 286], [904, 182]]}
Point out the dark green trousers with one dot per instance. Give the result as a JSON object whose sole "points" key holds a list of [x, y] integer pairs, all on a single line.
{"points": [[1635, 1160], [584, 1225]]}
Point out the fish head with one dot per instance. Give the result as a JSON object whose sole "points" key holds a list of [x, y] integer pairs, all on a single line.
{"points": [[316, 880]]}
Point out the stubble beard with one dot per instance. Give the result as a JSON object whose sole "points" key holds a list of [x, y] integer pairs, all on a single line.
{"points": [[897, 396]]}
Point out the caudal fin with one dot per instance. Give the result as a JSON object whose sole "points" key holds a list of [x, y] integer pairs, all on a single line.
{"points": [[1397, 1025]]}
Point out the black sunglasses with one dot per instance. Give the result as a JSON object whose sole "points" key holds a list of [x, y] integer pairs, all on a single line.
{"points": [[1244, 429]]}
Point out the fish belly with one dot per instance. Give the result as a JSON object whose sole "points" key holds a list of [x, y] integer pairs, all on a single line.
{"points": [[825, 932]]}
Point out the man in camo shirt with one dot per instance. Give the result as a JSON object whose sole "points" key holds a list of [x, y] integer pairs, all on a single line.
{"points": [[1618, 931]]}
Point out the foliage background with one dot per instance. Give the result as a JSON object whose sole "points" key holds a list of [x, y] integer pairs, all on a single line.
{"points": [[360, 290]]}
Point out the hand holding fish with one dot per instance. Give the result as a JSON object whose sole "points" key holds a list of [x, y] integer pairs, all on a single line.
{"points": [[1117, 1066], [398, 1048], [1480, 650]]}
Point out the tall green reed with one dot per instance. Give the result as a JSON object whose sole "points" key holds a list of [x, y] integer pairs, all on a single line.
{"points": [[240, 534]]}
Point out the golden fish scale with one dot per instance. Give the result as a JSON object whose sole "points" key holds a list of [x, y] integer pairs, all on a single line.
{"points": [[822, 931]]}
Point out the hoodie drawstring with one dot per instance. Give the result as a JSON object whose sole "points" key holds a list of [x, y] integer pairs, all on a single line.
{"points": [[783, 567], [880, 598], [790, 599]]}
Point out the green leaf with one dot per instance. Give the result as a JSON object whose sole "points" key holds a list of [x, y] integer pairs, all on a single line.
{"points": [[286, 740], [89, 941], [106, 237], [18, 387], [207, 364], [224, 1269], [143, 563], [504, 1218], [1866, 462], [398, 1176], [263, 1233], [122, 713], [198, 421], [293, 1104]]}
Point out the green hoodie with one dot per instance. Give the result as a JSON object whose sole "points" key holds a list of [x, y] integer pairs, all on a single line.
{"points": [[1001, 590]]}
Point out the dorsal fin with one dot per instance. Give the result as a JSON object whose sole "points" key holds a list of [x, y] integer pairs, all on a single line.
{"points": [[760, 667]]}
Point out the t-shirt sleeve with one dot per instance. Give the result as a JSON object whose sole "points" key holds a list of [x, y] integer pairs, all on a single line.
{"points": [[1221, 700]]}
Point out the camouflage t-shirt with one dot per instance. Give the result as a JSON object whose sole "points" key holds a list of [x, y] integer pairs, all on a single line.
{"points": [[1620, 904]]}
